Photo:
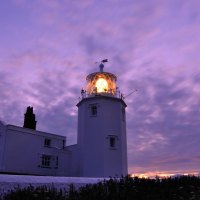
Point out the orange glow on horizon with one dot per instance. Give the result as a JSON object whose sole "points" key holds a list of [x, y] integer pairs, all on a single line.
{"points": [[163, 174]]}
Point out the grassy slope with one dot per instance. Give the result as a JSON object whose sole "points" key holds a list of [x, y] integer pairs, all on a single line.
{"points": [[127, 188]]}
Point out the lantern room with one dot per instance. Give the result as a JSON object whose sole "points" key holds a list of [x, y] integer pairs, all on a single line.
{"points": [[101, 82]]}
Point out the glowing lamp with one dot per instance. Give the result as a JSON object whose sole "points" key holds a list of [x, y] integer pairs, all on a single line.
{"points": [[101, 85]]}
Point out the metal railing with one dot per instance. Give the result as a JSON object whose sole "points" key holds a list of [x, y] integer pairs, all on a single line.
{"points": [[117, 94]]}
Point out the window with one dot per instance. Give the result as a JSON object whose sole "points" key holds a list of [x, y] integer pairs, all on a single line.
{"points": [[46, 161], [123, 114], [112, 142], [56, 162], [63, 144], [93, 110], [47, 142]]}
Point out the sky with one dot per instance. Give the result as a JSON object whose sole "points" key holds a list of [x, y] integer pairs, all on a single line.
{"points": [[48, 47]]}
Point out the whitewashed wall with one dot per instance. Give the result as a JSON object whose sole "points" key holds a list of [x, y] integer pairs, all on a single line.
{"points": [[74, 160], [97, 159], [24, 149]]}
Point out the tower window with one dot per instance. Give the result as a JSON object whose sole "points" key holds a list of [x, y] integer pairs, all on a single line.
{"points": [[112, 142], [47, 142], [93, 110], [46, 161], [123, 114]]}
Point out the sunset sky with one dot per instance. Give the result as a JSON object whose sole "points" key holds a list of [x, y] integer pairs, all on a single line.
{"points": [[48, 47]]}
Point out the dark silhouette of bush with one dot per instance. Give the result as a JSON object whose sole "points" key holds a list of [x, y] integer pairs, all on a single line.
{"points": [[125, 188]]}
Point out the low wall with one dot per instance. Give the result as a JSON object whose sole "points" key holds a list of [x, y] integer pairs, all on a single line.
{"points": [[11, 182]]}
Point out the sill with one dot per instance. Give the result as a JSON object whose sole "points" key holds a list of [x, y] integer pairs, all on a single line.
{"points": [[47, 146], [112, 148], [44, 167]]}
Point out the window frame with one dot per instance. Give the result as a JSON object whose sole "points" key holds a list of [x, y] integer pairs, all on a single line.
{"points": [[46, 161], [93, 109], [112, 142], [47, 142], [123, 114]]}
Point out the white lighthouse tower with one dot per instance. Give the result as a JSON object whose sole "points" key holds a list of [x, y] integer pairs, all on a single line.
{"points": [[102, 128]]}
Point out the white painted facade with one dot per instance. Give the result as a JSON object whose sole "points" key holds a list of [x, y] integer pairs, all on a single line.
{"points": [[102, 137], [101, 150], [24, 152]]}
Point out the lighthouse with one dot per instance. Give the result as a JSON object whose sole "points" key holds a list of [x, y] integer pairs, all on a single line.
{"points": [[102, 145]]}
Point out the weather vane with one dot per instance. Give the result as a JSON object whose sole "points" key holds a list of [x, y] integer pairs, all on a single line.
{"points": [[103, 61], [101, 66]]}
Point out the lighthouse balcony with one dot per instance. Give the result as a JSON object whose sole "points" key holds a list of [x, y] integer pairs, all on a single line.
{"points": [[117, 95]]}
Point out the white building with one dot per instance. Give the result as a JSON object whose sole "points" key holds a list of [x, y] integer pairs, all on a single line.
{"points": [[27, 151], [101, 150]]}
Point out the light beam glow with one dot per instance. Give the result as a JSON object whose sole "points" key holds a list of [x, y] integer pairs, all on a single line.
{"points": [[101, 85]]}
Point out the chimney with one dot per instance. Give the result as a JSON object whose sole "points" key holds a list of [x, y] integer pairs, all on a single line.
{"points": [[29, 119]]}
